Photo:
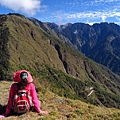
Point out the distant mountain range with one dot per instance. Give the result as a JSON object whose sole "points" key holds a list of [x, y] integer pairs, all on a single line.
{"points": [[100, 42], [40, 48]]}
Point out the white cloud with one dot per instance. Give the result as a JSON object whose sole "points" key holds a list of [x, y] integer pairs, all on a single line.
{"points": [[118, 18], [89, 17], [103, 15], [29, 7], [103, 18], [106, 1], [90, 11]]}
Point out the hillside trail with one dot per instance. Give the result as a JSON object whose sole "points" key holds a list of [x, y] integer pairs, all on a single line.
{"points": [[59, 108]]}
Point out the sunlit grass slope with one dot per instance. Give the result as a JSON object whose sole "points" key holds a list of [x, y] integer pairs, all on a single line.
{"points": [[59, 108]]}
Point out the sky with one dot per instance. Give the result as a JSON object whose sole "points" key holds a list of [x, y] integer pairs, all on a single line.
{"points": [[65, 11]]}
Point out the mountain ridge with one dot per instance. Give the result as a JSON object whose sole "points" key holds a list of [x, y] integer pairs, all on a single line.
{"points": [[60, 108], [100, 42], [57, 66]]}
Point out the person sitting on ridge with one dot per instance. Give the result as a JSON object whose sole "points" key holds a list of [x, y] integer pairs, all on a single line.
{"points": [[23, 82]]}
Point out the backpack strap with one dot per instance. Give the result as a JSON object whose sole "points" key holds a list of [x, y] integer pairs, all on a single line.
{"points": [[28, 93]]}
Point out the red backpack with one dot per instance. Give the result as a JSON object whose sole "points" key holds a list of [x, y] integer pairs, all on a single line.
{"points": [[22, 101]]}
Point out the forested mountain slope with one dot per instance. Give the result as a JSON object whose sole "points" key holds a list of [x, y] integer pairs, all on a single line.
{"points": [[54, 64], [100, 42]]}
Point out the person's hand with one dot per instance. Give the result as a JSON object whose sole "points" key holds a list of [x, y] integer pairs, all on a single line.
{"points": [[2, 116], [43, 112]]}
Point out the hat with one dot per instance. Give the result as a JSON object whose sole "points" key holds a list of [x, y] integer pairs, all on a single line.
{"points": [[17, 77]]}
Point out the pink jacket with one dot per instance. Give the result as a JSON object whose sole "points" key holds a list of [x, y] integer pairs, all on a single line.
{"points": [[33, 93]]}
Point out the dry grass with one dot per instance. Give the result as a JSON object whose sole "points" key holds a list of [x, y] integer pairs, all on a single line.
{"points": [[59, 108]]}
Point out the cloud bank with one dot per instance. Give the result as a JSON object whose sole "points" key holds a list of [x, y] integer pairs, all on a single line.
{"points": [[91, 11], [94, 15], [29, 7]]}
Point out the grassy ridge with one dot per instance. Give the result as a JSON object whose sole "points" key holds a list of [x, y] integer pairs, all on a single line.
{"points": [[74, 88], [59, 107], [64, 71]]}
